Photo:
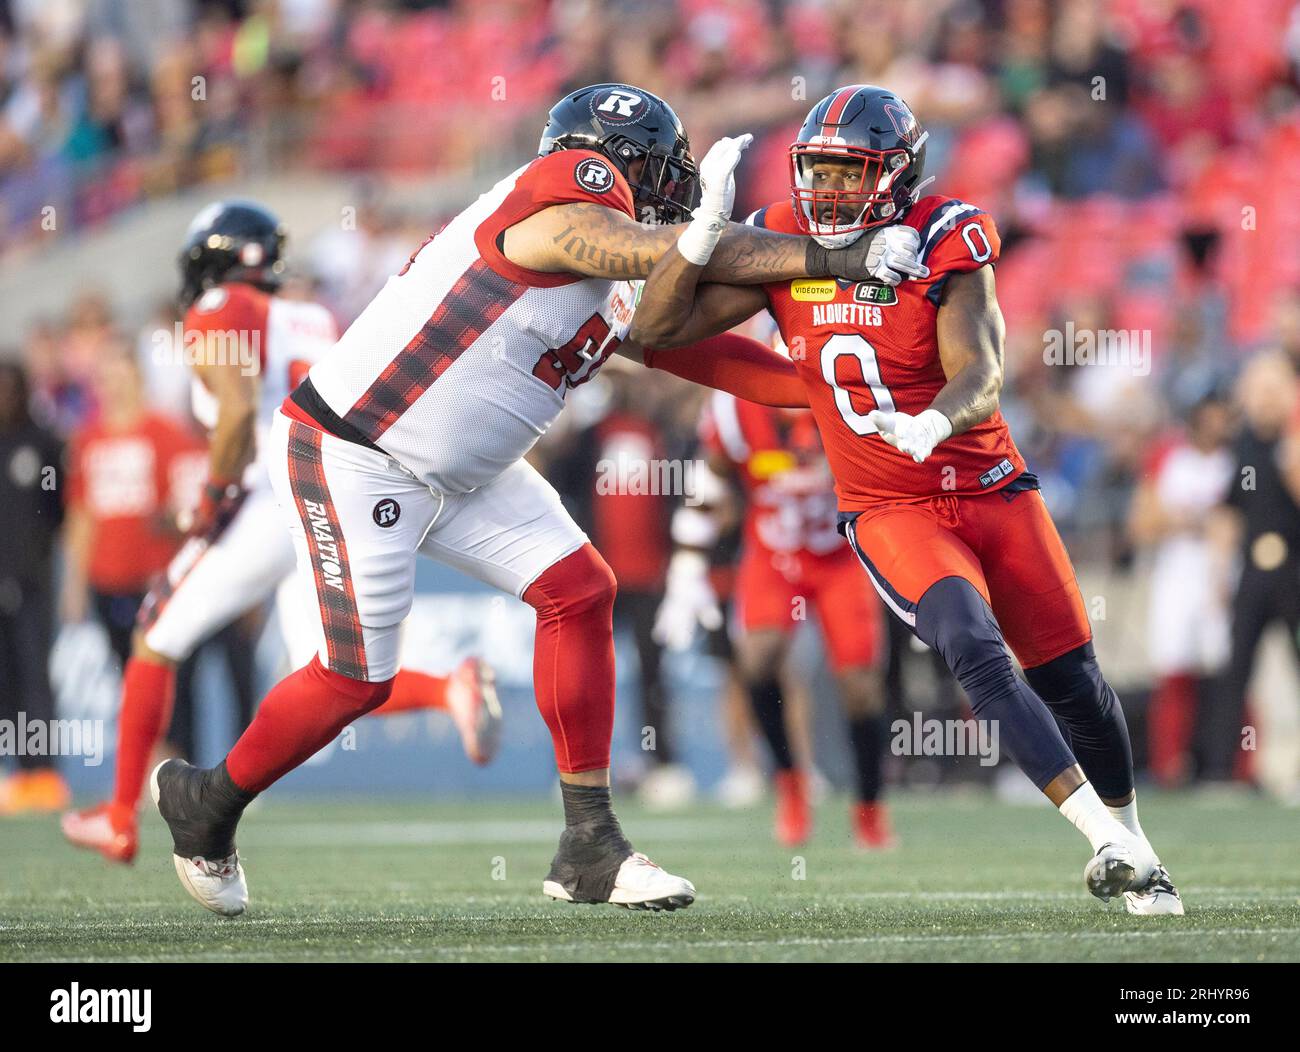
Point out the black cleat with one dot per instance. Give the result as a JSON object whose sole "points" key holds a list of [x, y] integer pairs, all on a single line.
{"points": [[202, 808]]}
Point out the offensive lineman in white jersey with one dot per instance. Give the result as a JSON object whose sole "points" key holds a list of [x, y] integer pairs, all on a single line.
{"points": [[253, 347], [409, 436]]}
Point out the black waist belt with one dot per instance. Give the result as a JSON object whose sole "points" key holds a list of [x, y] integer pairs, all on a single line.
{"points": [[308, 399]]}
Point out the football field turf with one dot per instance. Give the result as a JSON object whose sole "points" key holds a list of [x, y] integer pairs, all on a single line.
{"points": [[974, 880]]}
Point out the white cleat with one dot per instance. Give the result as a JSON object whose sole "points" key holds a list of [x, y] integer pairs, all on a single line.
{"points": [[475, 709], [639, 885], [1117, 868], [217, 885], [1158, 897]]}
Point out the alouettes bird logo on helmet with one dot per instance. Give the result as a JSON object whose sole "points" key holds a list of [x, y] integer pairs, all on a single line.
{"points": [[904, 122]]}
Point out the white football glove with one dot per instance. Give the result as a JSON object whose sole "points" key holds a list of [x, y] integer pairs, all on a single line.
{"points": [[717, 197], [893, 255], [914, 435], [718, 174], [689, 601]]}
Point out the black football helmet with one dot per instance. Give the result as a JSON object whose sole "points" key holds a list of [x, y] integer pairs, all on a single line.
{"points": [[231, 241], [627, 124], [862, 124]]}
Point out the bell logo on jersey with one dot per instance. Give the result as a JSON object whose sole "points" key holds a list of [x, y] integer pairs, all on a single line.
{"points": [[386, 513], [813, 290], [594, 175], [766, 463]]}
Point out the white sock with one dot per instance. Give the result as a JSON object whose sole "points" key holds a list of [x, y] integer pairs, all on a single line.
{"points": [[1093, 819], [1127, 816]]}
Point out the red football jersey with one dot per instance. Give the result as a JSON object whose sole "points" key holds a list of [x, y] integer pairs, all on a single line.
{"points": [[630, 519], [778, 458], [131, 484], [860, 346]]}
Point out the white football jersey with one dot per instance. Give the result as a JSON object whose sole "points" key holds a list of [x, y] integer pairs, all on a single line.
{"points": [[279, 338], [463, 359]]}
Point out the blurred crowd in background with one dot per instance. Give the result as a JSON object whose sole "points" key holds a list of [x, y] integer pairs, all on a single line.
{"points": [[1140, 158]]}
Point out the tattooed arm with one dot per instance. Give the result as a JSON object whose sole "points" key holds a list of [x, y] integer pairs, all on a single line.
{"points": [[683, 302], [593, 241]]}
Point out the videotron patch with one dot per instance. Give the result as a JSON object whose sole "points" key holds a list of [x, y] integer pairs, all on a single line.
{"points": [[813, 290], [881, 295]]}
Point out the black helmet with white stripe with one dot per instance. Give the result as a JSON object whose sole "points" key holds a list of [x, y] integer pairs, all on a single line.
{"points": [[628, 125], [858, 163]]}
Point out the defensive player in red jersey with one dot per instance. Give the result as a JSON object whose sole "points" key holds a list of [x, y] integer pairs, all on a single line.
{"points": [[793, 564], [409, 437], [934, 497], [248, 347]]}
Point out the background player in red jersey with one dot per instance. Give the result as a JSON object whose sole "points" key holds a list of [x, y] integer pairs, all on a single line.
{"points": [[252, 347], [792, 564], [934, 497]]}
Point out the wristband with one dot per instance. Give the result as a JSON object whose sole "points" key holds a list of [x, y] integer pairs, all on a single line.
{"points": [[936, 423], [817, 260], [700, 238]]}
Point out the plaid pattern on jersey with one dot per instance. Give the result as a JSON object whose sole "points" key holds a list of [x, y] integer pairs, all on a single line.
{"points": [[329, 554], [478, 298]]}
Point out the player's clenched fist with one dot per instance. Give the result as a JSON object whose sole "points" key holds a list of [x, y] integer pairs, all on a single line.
{"points": [[914, 435], [887, 255], [893, 254]]}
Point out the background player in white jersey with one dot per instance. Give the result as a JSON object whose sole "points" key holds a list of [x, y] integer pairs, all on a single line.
{"points": [[249, 348], [409, 436], [1188, 630]]}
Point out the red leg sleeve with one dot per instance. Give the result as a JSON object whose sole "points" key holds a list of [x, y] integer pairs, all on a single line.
{"points": [[300, 716], [573, 658], [735, 364], [147, 691], [414, 690]]}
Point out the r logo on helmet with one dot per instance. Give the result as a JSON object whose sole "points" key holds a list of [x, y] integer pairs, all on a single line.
{"points": [[618, 106], [594, 175]]}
